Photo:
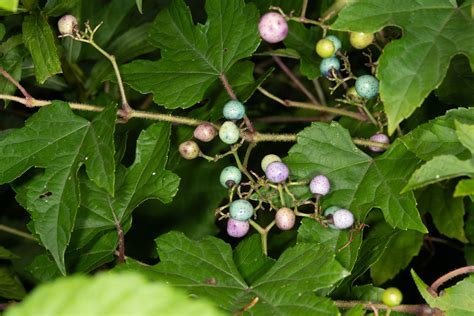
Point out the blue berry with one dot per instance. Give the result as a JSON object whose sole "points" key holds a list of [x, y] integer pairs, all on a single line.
{"points": [[230, 176], [237, 228], [229, 133], [277, 172], [329, 63], [241, 210], [367, 86], [268, 159], [336, 42], [233, 110], [320, 185], [343, 219]]}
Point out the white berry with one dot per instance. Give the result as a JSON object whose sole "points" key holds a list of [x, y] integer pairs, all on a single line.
{"points": [[67, 25], [320, 185], [273, 27], [343, 219]]}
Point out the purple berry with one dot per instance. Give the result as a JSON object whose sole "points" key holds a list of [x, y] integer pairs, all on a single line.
{"points": [[320, 185], [273, 27], [189, 150], [205, 132], [379, 138], [237, 228], [343, 219], [277, 172], [285, 218]]}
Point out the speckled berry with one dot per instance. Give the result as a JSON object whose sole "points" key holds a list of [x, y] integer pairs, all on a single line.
{"points": [[379, 138], [268, 159], [336, 42], [229, 133], [285, 218], [367, 86], [241, 210], [277, 172], [327, 64], [328, 213], [237, 229], [233, 110], [273, 27], [361, 40], [205, 132], [319, 185], [230, 176], [392, 296], [325, 48], [343, 219], [67, 25], [189, 150]]}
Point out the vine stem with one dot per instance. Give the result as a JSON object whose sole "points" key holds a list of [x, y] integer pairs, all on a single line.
{"points": [[263, 234], [419, 309], [23, 91], [366, 142], [16, 232], [303, 8], [121, 242], [448, 276]]}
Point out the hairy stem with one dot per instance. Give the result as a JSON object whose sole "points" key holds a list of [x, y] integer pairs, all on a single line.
{"points": [[16, 232], [365, 142], [303, 8], [419, 309], [16, 84], [448, 276]]}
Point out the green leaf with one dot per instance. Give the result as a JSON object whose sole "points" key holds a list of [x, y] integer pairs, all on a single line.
{"points": [[250, 260], [438, 169], [357, 310], [303, 41], [464, 187], [39, 39], [465, 134], [205, 268], [131, 294], [140, 6], [403, 246], [411, 67], [10, 286], [349, 242], [358, 182], [458, 83], [447, 212], [193, 57], [2, 31], [60, 142], [12, 63], [9, 5], [60, 7], [455, 301], [6, 254]]}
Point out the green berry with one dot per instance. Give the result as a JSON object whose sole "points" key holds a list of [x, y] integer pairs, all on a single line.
{"points": [[325, 48], [241, 210], [229, 133], [189, 150], [392, 296], [361, 40], [233, 110], [327, 64], [367, 86], [351, 93], [268, 159], [230, 176]]}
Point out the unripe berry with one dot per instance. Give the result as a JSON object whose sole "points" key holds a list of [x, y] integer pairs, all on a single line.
{"points": [[351, 93], [285, 218], [379, 138], [343, 219], [319, 185], [277, 172], [392, 296], [336, 42], [273, 27], [189, 150], [205, 132], [329, 212], [367, 86], [67, 25], [230, 176], [233, 110], [237, 228], [268, 159], [325, 48], [361, 40], [241, 210], [327, 64], [229, 133]]}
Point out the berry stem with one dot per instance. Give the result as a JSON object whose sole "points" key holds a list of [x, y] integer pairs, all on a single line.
{"points": [[250, 147], [282, 197], [263, 234], [16, 232], [418, 309], [240, 166], [303, 8], [448, 276], [23, 91]]}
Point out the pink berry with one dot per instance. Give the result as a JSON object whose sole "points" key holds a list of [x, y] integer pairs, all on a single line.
{"points": [[285, 218], [379, 138], [320, 185], [237, 228], [273, 27], [277, 172], [205, 132], [189, 150]]}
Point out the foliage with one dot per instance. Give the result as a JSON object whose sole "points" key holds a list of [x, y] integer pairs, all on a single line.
{"points": [[91, 173]]}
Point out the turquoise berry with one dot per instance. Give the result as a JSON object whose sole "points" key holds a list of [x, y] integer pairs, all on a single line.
{"points": [[337, 43], [330, 211], [233, 110], [329, 63], [230, 176], [229, 133], [367, 86], [241, 210]]}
